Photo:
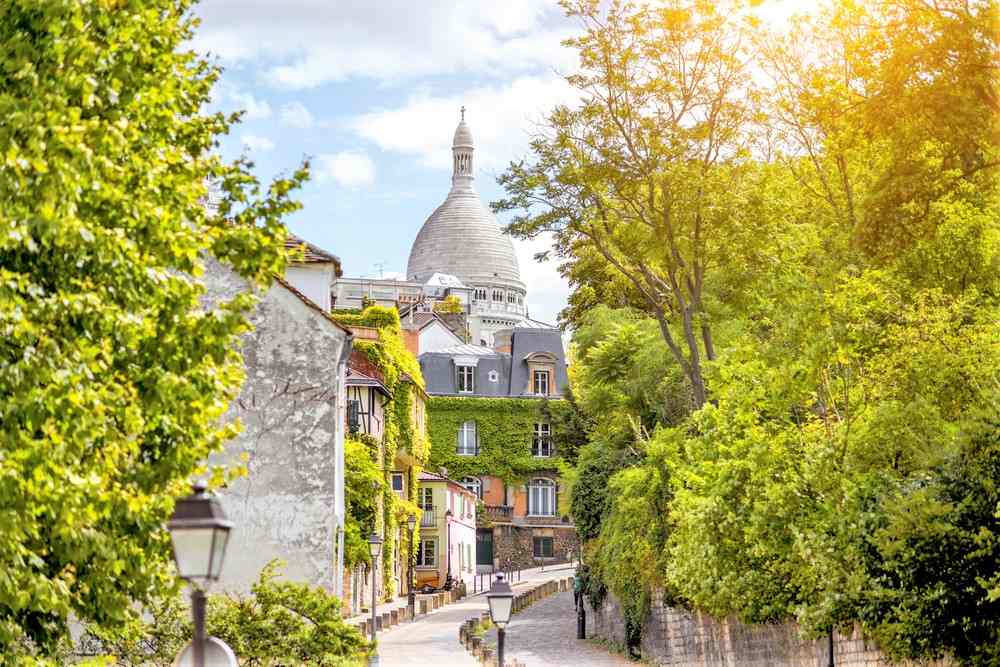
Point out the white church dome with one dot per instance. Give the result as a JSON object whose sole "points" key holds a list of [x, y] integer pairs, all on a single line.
{"points": [[462, 237]]}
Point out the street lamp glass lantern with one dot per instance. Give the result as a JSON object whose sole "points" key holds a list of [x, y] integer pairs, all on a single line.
{"points": [[501, 601], [199, 532], [411, 521], [374, 545]]}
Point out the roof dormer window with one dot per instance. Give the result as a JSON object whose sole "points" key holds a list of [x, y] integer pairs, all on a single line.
{"points": [[540, 383], [466, 381]]}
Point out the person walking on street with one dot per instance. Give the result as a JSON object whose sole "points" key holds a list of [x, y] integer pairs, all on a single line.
{"points": [[578, 589]]}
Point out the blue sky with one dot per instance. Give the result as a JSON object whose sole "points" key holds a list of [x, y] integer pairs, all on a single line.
{"points": [[371, 93]]}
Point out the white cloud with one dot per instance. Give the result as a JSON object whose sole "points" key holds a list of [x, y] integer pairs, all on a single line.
{"points": [[308, 42], [501, 119], [256, 143], [294, 114], [255, 109], [350, 169]]}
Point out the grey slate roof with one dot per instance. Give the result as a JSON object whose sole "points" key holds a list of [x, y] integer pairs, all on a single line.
{"points": [[526, 341], [439, 372]]}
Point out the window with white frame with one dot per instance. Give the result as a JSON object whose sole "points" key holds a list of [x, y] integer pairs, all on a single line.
{"points": [[541, 443], [541, 381], [468, 441], [427, 552], [473, 484], [425, 499], [466, 379], [542, 497]]}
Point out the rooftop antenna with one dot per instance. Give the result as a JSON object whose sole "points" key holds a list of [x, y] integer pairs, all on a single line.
{"points": [[380, 266]]}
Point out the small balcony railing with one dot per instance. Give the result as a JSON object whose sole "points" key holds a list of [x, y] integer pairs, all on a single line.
{"points": [[499, 512], [428, 519]]}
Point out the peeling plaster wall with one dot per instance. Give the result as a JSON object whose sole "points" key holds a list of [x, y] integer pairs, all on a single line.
{"points": [[284, 507]]}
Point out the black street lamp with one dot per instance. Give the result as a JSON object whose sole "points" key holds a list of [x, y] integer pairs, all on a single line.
{"points": [[501, 601], [374, 547], [411, 597], [199, 532]]}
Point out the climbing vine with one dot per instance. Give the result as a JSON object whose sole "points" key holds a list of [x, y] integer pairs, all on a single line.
{"points": [[401, 375], [504, 426]]}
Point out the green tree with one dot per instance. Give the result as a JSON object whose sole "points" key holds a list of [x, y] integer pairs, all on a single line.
{"points": [[113, 374], [450, 304], [652, 171]]}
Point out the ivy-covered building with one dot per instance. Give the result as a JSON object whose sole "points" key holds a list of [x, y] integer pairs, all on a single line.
{"points": [[490, 422]]}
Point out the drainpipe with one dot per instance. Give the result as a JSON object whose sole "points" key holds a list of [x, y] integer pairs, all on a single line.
{"points": [[339, 511]]}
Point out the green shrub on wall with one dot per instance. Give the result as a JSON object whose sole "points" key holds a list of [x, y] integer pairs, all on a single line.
{"points": [[505, 427], [401, 374]]}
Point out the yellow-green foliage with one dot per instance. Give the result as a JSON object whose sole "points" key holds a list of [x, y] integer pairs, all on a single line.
{"points": [[282, 622], [402, 377]]}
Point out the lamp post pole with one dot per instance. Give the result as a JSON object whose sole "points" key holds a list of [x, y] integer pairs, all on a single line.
{"points": [[447, 534], [198, 612], [374, 548], [411, 598]]}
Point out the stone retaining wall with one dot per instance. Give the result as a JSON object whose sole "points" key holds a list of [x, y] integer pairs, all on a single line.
{"points": [[678, 637]]}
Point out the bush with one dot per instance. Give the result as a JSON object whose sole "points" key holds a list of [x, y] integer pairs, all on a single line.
{"points": [[280, 623]]}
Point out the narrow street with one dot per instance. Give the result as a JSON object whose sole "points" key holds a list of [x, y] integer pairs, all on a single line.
{"points": [[544, 634]]}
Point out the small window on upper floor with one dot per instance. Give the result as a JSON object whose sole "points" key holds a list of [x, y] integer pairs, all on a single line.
{"points": [[498, 295], [541, 383], [541, 442], [473, 484], [466, 382], [468, 439], [511, 297], [397, 484]]}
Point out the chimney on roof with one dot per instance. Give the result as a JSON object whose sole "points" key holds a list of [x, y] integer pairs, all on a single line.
{"points": [[444, 471]]}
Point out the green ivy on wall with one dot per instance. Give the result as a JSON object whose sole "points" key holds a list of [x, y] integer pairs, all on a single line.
{"points": [[401, 375], [505, 427]]}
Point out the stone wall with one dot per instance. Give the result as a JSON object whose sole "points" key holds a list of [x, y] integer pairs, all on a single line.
{"points": [[673, 636], [283, 507], [514, 544]]}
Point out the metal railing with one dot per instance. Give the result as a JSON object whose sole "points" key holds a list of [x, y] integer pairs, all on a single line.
{"points": [[428, 519], [484, 580], [499, 511]]}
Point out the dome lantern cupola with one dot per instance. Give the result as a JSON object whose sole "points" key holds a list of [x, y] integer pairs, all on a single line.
{"points": [[461, 150]]}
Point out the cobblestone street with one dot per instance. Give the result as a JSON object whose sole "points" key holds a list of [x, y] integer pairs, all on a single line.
{"points": [[544, 635]]}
